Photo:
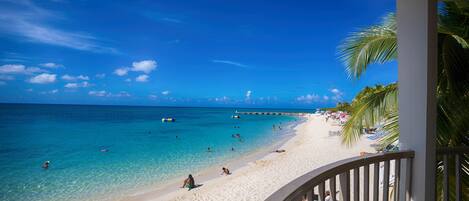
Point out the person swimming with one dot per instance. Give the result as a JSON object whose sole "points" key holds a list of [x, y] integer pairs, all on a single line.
{"points": [[104, 150], [208, 149], [189, 182], [225, 171], [45, 165], [232, 149]]}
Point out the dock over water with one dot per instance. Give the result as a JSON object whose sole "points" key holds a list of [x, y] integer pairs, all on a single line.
{"points": [[271, 113]]}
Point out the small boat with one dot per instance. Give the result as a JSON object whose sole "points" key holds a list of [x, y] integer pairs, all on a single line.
{"points": [[235, 116], [169, 119]]}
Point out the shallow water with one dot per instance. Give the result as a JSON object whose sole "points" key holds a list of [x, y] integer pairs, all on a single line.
{"points": [[142, 150]]}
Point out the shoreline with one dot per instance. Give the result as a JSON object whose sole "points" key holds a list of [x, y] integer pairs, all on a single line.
{"points": [[311, 147], [213, 171]]}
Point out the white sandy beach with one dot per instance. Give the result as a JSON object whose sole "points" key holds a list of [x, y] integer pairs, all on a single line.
{"points": [[310, 148]]}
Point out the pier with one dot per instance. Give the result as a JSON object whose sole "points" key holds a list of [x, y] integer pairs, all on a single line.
{"points": [[271, 113]]}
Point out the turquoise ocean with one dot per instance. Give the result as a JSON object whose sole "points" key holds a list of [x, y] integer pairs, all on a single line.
{"points": [[141, 150]]}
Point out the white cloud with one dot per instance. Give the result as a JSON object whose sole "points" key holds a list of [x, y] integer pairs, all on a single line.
{"points": [[28, 22], [337, 94], [121, 71], [43, 78], [19, 69], [51, 65], [68, 77], [326, 98], [120, 94], [308, 98], [145, 66], [233, 63], [223, 99], [54, 91], [71, 85], [74, 78], [248, 94], [97, 93], [100, 76], [77, 85], [165, 92], [103, 93], [142, 78], [81, 77], [152, 97], [128, 80]]}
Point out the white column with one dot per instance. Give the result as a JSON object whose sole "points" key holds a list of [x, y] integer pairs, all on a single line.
{"points": [[417, 61]]}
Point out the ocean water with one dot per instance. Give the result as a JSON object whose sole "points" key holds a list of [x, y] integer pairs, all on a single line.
{"points": [[142, 151]]}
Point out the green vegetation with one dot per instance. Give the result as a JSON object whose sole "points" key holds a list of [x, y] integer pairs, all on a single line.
{"points": [[379, 104], [340, 106]]}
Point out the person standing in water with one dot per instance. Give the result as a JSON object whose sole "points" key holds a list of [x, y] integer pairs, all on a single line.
{"points": [[46, 165]]}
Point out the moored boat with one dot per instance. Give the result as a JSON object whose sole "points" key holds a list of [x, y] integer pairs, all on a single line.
{"points": [[168, 119]]}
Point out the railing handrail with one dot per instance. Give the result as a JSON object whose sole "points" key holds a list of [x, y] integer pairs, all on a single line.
{"points": [[453, 150], [456, 153], [315, 177]]}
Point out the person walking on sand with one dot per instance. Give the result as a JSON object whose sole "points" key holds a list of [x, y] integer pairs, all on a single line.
{"points": [[225, 171], [189, 182]]}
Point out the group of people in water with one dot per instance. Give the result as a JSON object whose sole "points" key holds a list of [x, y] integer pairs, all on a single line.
{"points": [[189, 182], [274, 127]]}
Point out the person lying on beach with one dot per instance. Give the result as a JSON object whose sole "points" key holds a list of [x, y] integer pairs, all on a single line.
{"points": [[280, 150], [46, 164], [225, 171], [189, 182]]}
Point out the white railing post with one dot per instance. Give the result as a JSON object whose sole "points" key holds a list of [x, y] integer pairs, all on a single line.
{"points": [[417, 62]]}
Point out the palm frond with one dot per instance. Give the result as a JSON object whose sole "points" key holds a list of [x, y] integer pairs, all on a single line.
{"points": [[391, 126], [376, 44], [369, 111]]}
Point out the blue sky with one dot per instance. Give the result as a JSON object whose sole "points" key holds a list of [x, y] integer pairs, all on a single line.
{"points": [[183, 53]]}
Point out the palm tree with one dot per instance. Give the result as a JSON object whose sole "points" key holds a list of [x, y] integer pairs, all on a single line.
{"points": [[379, 105], [378, 44]]}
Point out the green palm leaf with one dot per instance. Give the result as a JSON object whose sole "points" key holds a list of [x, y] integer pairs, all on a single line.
{"points": [[372, 108], [376, 44]]}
